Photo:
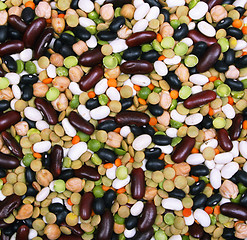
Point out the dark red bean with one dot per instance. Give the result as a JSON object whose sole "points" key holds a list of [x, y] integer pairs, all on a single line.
{"points": [[17, 23], [8, 161], [22, 232], [137, 183], [199, 99], [46, 108], [91, 58], [234, 210], [87, 172], [70, 237], [33, 32], [8, 119], [8, 205], [137, 67], [209, 58], [144, 235], [117, 3], [224, 140], [80, 123], [212, 3], [196, 230], [147, 219], [105, 229], [43, 43], [86, 205], [11, 47], [12, 144], [235, 129], [132, 118], [183, 149], [75, 229], [88, 81], [196, 36], [139, 38], [56, 160]]}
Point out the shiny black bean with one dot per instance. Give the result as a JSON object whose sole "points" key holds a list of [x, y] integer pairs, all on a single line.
{"points": [[153, 3], [67, 38], [152, 153], [66, 174], [177, 193], [17, 23], [150, 56], [107, 126], [14, 34], [132, 53], [181, 32], [126, 103], [148, 130], [196, 230], [221, 66], [118, 3], [74, 4], [155, 164], [46, 159], [241, 10], [107, 35], [234, 210], [117, 23], [27, 15], [199, 170], [29, 79], [214, 200], [144, 235], [224, 23], [241, 177], [105, 228], [56, 207], [56, 160], [31, 191], [99, 206], [137, 131], [241, 62], [155, 110], [29, 175], [8, 205], [131, 222], [197, 187], [87, 172], [10, 230], [173, 80], [2, 173], [166, 14], [10, 63], [229, 57], [27, 93], [199, 48], [243, 199], [234, 32], [207, 122], [2, 72], [57, 45], [161, 140], [107, 155], [92, 103], [109, 198], [228, 233], [4, 105], [3, 33], [61, 216], [66, 51], [199, 201], [234, 84], [81, 33]]}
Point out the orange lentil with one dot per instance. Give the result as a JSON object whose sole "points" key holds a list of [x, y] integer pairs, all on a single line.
{"points": [[37, 155], [161, 58], [142, 101], [75, 139], [112, 82], [194, 150], [4, 180], [91, 94], [152, 121], [212, 79], [211, 111], [151, 86], [244, 30], [186, 212], [121, 190], [105, 188], [245, 124], [118, 162], [47, 80], [61, 15], [230, 100], [168, 165], [195, 178], [48, 20], [108, 165], [30, 4], [208, 210], [217, 151], [69, 202], [159, 37], [237, 23], [174, 94], [117, 130], [217, 210], [131, 160], [162, 155], [137, 88]]}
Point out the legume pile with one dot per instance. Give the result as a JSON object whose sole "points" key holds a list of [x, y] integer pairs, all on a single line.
{"points": [[123, 119]]}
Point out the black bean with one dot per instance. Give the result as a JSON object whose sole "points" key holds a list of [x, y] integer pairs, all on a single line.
{"points": [[29, 175], [10, 63], [29, 222], [56, 208], [81, 33], [173, 80], [150, 56], [207, 122], [61, 216], [229, 57], [177, 193], [109, 198], [2, 173], [131, 222], [153, 3], [181, 32], [67, 38], [74, 4], [57, 45], [126, 103], [99, 206], [29, 79], [155, 164], [107, 155], [14, 34], [27, 93], [241, 176], [117, 23], [115, 236], [152, 153], [234, 32], [221, 66], [199, 201], [241, 62], [155, 110], [241, 10], [46, 159], [166, 14], [148, 130], [243, 199], [31, 191], [92, 103], [137, 131], [107, 35], [107, 126], [199, 170], [3, 33], [224, 23], [199, 48], [245, 113], [4, 105], [234, 84], [66, 51], [66, 174], [162, 140], [193, 70], [27, 14], [197, 187], [118, 3], [132, 53], [228, 233]]}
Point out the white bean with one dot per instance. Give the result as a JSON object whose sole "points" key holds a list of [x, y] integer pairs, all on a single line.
{"points": [[12, 103], [41, 125], [68, 128], [86, 5], [142, 142], [51, 71], [239, 3], [229, 111], [138, 3], [2, 197], [241, 44], [202, 217], [77, 150], [171, 132], [172, 204], [196, 89], [118, 45], [140, 80], [210, 143], [177, 116], [92, 42], [101, 86], [243, 148], [141, 11], [198, 11], [16, 91], [210, 164], [111, 172], [175, 237], [219, 166], [129, 233], [245, 167], [140, 25], [195, 159], [100, 112], [43, 194], [74, 88], [14, 78], [117, 183], [32, 233], [198, 79], [223, 158], [26, 54], [165, 149], [124, 132], [32, 114], [194, 119], [160, 68], [235, 149], [113, 94], [172, 3], [206, 29], [86, 22], [153, 13], [84, 112], [215, 178], [189, 220], [173, 61], [188, 41], [229, 170], [41, 147], [137, 208]]}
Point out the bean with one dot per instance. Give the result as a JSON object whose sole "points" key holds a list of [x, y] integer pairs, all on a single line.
{"points": [[132, 118], [29, 79], [91, 58], [234, 84], [234, 210], [181, 32], [56, 160], [2, 173], [199, 201], [11, 47], [29, 175], [46, 108], [105, 228], [137, 67], [228, 233], [235, 129], [229, 57], [13, 34], [214, 200], [80, 123], [118, 3], [67, 38], [3, 224], [43, 43], [2, 72], [241, 62], [126, 103], [132, 53], [117, 23], [199, 48], [196, 36], [56, 207], [8, 161], [107, 35], [10, 63], [241, 176], [107, 126], [92, 103], [224, 140], [155, 164], [33, 32], [152, 153], [28, 14], [197, 187], [70, 237], [86, 205], [183, 149], [150, 56], [209, 58], [177, 193], [12, 144], [88, 81], [17, 23], [139, 38], [109, 198], [99, 206], [75, 229], [199, 170], [4, 236], [221, 66], [8, 205], [224, 23], [196, 230], [234, 32], [107, 155], [87, 172], [137, 183], [22, 232], [212, 3], [173, 80], [144, 235]]}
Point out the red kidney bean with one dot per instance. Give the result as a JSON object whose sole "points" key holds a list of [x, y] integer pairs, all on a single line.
{"points": [[87, 172], [12, 144], [196, 36], [70, 237], [144, 235], [80, 123], [43, 43], [88, 81], [22, 233], [147, 219], [117, 3], [86, 205], [8, 161], [132, 118], [8, 119], [105, 228], [234, 210], [224, 140], [46, 108], [209, 58], [137, 67], [235, 129], [136, 39], [199, 99], [56, 160], [8, 205], [75, 229], [11, 47], [212, 3], [196, 230], [17, 23], [183, 149], [91, 58], [137, 183], [33, 32]]}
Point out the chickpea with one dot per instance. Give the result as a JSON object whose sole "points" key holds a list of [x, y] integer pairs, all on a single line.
{"points": [[107, 12], [44, 177], [22, 128], [52, 231], [61, 103], [40, 89], [43, 10], [61, 83], [74, 184]]}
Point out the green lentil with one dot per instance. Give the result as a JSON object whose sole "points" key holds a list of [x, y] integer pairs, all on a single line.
{"points": [[4, 82], [52, 94], [30, 67]]}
